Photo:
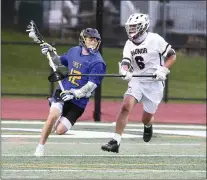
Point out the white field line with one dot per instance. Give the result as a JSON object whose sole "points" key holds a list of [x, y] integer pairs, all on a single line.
{"points": [[116, 155], [79, 143], [76, 135], [103, 171], [110, 124], [94, 134], [174, 132], [20, 177]]}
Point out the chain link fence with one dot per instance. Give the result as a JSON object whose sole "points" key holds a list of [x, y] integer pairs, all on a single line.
{"points": [[182, 23]]}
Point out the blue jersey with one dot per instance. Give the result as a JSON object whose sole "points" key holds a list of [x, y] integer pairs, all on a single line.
{"points": [[77, 63]]}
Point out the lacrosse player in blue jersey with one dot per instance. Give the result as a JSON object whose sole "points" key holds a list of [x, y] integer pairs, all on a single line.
{"points": [[68, 105]]}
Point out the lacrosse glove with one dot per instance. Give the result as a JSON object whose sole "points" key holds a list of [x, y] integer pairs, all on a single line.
{"points": [[66, 95], [127, 74], [161, 73], [45, 48]]}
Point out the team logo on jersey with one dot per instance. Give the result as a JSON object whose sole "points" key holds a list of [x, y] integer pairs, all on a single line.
{"points": [[139, 51]]}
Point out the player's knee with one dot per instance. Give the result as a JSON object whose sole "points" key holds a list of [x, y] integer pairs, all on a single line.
{"points": [[126, 107], [63, 126], [54, 114], [52, 118], [61, 130]]}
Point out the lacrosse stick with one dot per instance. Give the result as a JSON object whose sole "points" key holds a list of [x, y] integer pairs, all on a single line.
{"points": [[57, 76], [37, 37]]}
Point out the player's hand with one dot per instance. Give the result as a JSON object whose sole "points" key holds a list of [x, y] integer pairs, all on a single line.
{"points": [[45, 48], [77, 93], [161, 73], [127, 74], [66, 95]]}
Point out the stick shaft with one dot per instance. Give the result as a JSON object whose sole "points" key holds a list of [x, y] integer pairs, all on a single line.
{"points": [[54, 69], [109, 75]]}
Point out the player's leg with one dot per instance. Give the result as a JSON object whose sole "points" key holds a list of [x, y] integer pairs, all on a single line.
{"points": [[132, 96], [150, 101], [54, 114], [71, 112], [147, 119], [128, 103]]}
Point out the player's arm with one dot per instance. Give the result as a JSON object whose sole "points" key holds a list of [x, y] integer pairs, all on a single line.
{"points": [[125, 64], [93, 82], [169, 54], [85, 91], [170, 58], [58, 60], [166, 50]]}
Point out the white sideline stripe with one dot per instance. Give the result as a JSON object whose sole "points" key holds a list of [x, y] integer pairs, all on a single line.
{"points": [[111, 124], [56, 136], [175, 132], [73, 143], [72, 133], [20, 177], [101, 171], [94, 134], [116, 155]]}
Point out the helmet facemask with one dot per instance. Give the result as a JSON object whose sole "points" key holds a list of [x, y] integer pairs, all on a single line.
{"points": [[92, 43], [137, 25], [90, 39], [135, 30]]}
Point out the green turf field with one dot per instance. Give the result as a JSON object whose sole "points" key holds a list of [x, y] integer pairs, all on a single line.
{"points": [[25, 70], [175, 152]]}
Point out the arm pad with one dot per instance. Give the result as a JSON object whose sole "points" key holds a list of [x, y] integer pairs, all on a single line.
{"points": [[86, 90], [55, 58]]}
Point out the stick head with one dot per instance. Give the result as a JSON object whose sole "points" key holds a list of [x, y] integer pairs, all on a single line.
{"points": [[34, 32], [56, 76]]}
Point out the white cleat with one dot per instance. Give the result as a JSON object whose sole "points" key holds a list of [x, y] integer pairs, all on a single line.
{"points": [[39, 151]]}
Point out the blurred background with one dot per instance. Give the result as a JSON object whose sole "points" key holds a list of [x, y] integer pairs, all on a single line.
{"points": [[25, 69]]}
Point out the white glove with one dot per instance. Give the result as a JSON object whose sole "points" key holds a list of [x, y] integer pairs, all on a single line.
{"points": [[66, 95], [161, 73], [45, 48], [127, 74], [77, 93]]}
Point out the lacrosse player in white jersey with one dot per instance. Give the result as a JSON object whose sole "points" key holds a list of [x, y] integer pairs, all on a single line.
{"points": [[144, 53]]}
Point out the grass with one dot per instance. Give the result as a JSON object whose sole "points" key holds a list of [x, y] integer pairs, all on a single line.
{"points": [[167, 156], [25, 70]]}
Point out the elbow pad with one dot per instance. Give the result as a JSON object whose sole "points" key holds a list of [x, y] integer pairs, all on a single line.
{"points": [[126, 61], [170, 53]]}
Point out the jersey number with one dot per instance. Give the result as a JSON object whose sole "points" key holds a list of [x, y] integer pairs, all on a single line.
{"points": [[139, 60], [72, 79]]}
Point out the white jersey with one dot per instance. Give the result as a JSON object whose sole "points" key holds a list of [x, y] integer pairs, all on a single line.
{"points": [[145, 57]]}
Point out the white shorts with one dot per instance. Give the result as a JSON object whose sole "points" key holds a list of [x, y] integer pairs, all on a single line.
{"points": [[149, 93]]}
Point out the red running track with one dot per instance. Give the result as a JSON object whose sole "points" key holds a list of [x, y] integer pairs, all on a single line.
{"points": [[37, 109]]}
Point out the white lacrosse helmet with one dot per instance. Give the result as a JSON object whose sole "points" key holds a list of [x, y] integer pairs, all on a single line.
{"points": [[136, 25]]}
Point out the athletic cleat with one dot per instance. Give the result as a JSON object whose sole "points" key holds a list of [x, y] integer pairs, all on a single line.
{"points": [[111, 146], [147, 135], [39, 152]]}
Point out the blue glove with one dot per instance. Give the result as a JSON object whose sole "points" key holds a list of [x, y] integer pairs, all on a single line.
{"points": [[66, 95]]}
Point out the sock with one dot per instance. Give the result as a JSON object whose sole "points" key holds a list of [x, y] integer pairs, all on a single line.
{"points": [[117, 137], [148, 126], [41, 146]]}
